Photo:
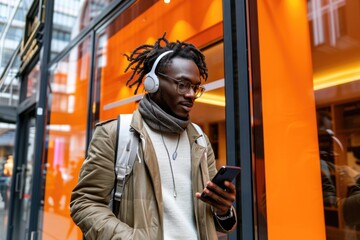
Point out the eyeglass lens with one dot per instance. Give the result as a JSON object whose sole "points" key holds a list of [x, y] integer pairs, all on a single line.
{"points": [[183, 87]]}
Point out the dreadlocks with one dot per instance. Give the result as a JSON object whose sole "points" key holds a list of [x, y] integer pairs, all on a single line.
{"points": [[143, 57]]}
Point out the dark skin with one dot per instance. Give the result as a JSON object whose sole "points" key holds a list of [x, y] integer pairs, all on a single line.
{"points": [[167, 97], [180, 106]]}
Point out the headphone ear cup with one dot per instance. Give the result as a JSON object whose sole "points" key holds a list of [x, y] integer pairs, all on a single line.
{"points": [[151, 82]]}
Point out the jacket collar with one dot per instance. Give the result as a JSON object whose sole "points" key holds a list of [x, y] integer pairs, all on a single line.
{"points": [[138, 124]]}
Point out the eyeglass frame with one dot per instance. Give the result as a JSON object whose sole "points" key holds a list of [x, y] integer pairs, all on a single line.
{"points": [[201, 88]]}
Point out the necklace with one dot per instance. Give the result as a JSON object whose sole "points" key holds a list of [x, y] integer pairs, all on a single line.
{"points": [[174, 155]]}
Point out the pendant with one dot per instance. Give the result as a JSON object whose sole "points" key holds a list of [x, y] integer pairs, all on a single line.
{"points": [[174, 155]]}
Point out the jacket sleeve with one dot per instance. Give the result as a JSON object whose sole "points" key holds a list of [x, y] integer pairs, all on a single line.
{"points": [[91, 196], [351, 205], [228, 225]]}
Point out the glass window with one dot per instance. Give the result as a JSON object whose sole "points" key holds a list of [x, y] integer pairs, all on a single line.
{"points": [[144, 27], [7, 138], [10, 89], [32, 84], [66, 139], [70, 17], [61, 36], [336, 59], [20, 14], [27, 178], [14, 33], [142, 23], [7, 53], [16, 28], [4, 12]]}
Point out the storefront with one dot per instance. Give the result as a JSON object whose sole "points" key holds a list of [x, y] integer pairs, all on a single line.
{"points": [[283, 80]]}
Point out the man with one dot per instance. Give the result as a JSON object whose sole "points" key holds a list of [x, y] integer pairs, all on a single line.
{"points": [[347, 177], [162, 198]]}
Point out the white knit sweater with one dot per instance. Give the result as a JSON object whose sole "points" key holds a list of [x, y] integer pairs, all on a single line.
{"points": [[179, 219]]}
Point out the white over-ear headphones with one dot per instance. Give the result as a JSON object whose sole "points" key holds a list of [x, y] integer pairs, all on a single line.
{"points": [[151, 82]]}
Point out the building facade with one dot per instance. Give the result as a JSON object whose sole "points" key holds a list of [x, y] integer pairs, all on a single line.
{"points": [[282, 93]]}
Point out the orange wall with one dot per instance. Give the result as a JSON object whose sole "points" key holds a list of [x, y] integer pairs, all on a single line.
{"points": [[293, 183], [179, 19]]}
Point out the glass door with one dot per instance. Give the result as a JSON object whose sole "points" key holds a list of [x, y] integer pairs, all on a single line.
{"points": [[23, 179]]}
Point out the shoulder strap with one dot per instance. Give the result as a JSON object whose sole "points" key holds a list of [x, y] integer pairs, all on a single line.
{"points": [[126, 149], [201, 140]]}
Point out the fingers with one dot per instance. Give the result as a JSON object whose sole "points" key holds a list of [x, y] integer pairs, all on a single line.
{"points": [[219, 198], [221, 205], [229, 193], [230, 187]]}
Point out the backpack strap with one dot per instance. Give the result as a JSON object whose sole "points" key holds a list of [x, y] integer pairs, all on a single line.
{"points": [[126, 150]]}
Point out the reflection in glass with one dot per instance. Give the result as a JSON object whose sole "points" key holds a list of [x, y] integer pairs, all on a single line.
{"points": [[10, 89], [7, 138], [32, 82], [12, 15], [26, 182], [143, 22], [213, 100], [335, 42], [70, 17], [66, 139]]}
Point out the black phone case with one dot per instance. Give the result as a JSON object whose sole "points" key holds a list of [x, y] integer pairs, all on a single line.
{"points": [[228, 173]]}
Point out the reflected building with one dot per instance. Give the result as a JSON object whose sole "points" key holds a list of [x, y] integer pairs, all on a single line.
{"points": [[268, 81]]}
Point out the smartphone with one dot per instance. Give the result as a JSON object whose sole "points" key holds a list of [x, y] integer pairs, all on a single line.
{"points": [[228, 173]]}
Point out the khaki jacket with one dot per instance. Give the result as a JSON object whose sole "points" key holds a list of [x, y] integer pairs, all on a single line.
{"points": [[141, 209]]}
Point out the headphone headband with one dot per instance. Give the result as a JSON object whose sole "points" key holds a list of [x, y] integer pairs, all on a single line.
{"points": [[158, 60], [151, 82]]}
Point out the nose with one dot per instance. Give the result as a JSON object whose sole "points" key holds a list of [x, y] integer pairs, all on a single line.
{"points": [[190, 93]]}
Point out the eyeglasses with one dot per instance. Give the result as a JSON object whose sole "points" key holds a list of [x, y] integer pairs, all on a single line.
{"points": [[183, 87]]}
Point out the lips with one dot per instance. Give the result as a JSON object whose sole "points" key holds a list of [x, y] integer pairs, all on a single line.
{"points": [[187, 106]]}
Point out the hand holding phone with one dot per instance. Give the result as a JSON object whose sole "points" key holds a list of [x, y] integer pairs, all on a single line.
{"points": [[225, 173]]}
